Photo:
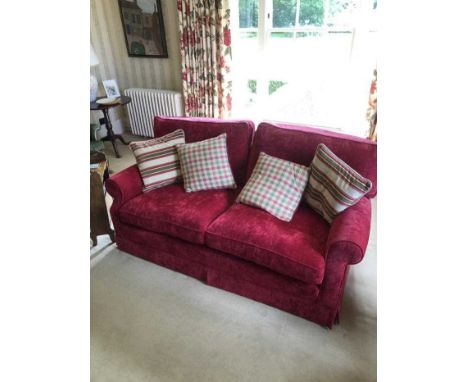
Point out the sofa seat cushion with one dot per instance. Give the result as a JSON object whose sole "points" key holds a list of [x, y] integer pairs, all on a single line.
{"points": [[172, 211], [294, 248]]}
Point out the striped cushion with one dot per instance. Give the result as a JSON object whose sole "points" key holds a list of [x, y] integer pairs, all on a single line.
{"points": [[275, 186], [158, 161], [205, 165], [333, 186]]}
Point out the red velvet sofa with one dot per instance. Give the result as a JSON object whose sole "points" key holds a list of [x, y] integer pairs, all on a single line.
{"points": [[299, 267]]}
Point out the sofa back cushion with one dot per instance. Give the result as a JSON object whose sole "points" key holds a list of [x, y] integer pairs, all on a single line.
{"points": [[239, 137], [298, 144]]}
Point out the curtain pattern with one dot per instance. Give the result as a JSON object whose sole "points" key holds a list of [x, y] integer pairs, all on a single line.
{"points": [[205, 41], [372, 109]]}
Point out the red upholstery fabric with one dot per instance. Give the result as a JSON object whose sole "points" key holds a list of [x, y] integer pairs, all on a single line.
{"points": [[298, 305], [298, 144], [239, 137], [196, 260], [172, 211], [124, 186], [294, 249], [349, 233]]}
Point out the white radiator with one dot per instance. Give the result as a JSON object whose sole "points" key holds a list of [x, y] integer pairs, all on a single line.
{"points": [[148, 103]]}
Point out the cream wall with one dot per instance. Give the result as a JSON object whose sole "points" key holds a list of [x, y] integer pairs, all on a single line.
{"points": [[108, 40]]}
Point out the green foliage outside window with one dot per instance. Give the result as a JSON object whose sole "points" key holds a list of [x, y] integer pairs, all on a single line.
{"points": [[248, 13], [311, 12], [248, 35], [282, 34], [252, 84], [284, 13], [339, 6], [274, 86]]}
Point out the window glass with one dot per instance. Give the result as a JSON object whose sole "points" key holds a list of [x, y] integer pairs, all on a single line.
{"points": [[248, 13], [317, 59], [252, 84], [274, 85], [248, 34], [308, 34], [341, 12], [282, 34], [284, 13], [311, 12], [248, 96]]}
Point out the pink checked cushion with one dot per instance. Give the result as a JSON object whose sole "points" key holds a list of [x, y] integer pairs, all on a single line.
{"points": [[205, 165], [276, 185], [333, 185], [293, 249], [239, 135], [158, 161]]}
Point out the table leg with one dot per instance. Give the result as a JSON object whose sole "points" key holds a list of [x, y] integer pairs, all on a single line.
{"points": [[119, 137], [111, 136], [117, 154]]}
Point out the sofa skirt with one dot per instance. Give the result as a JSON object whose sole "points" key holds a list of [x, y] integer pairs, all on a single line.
{"points": [[229, 273]]}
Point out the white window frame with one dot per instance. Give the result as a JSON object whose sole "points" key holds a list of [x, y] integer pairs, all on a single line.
{"points": [[265, 23], [265, 29]]}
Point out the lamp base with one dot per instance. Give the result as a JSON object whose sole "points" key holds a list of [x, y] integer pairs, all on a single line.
{"points": [[93, 86]]}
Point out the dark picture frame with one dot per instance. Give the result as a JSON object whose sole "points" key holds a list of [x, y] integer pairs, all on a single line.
{"points": [[143, 26]]}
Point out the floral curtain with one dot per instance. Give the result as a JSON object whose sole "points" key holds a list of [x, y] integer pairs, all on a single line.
{"points": [[372, 109], [205, 43]]}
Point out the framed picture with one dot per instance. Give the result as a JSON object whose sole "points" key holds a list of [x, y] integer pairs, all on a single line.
{"points": [[111, 88], [143, 26]]}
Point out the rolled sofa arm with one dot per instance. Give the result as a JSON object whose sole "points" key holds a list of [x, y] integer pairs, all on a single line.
{"points": [[349, 233], [124, 186]]}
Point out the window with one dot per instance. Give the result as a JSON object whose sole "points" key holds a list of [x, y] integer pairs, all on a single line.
{"points": [[304, 61]]}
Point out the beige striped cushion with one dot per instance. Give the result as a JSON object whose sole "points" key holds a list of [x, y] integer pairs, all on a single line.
{"points": [[158, 161], [333, 186]]}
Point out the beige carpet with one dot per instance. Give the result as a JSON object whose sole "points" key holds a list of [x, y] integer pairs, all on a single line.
{"points": [[152, 324]]}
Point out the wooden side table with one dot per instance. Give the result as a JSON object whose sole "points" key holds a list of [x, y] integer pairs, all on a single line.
{"points": [[111, 136], [99, 219]]}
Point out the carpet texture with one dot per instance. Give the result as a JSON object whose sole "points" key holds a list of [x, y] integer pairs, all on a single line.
{"points": [[152, 324]]}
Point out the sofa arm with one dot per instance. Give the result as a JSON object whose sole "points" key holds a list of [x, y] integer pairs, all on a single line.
{"points": [[124, 186], [349, 233]]}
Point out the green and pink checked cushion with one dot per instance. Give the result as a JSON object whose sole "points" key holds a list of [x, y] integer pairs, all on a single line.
{"points": [[333, 185], [205, 165], [275, 186], [158, 161]]}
